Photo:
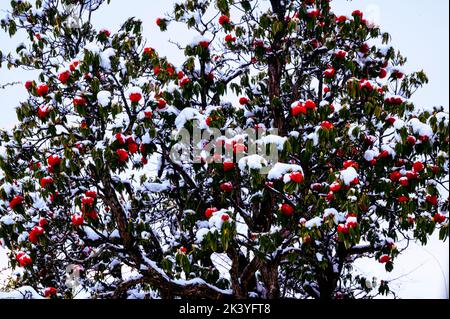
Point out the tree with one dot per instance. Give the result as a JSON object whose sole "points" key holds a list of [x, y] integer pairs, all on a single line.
{"points": [[91, 180]]}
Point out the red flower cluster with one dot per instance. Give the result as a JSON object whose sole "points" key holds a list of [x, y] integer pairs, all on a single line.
{"points": [[64, 77], [224, 20], [54, 160], [35, 233], [226, 187], [210, 211], [23, 259], [287, 209], [326, 125], [43, 112], [16, 201], [296, 177], [384, 259], [135, 97], [244, 101], [228, 166], [46, 181], [77, 220], [42, 90], [122, 155]]}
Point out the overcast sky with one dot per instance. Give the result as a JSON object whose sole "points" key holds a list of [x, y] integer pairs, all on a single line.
{"points": [[419, 30]]}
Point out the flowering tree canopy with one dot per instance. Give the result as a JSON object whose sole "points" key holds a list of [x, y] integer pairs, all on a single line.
{"points": [[89, 179]]}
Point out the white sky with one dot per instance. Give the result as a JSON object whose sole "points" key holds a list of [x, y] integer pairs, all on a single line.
{"points": [[419, 30]]}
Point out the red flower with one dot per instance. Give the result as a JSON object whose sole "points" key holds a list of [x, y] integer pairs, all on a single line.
{"points": [[310, 104], [225, 217], [29, 85], [91, 194], [180, 75], [382, 74], [204, 44], [135, 97], [342, 229], [403, 181], [133, 147], [395, 176], [210, 211], [43, 221], [161, 104], [329, 73], [148, 114], [226, 187], [313, 14], [411, 140], [208, 121], [105, 32], [351, 225], [383, 154], [35, 233], [43, 112], [122, 154], [243, 101], [74, 65], [432, 199], [183, 250], [357, 13], [438, 218], [50, 291], [228, 166], [411, 175], [77, 220], [330, 196], [170, 71], [230, 38], [364, 48], [79, 101], [119, 138], [298, 108], [418, 167], [23, 259], [159, 21], [17, 200], [296, 177], [335, 187], [384, 259], [287, 209], [341, 54], [397, 74], [351, 163], [341, 19], [46, 181], [92, 214], [402, 199], [87, 201], [149, 51], [54, 160], [186, 80], [64, 77], [366, 85], [326, 125], [42, 90], [224, 20]]}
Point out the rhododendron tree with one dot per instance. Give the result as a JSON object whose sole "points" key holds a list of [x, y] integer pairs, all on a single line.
{"points": [[89, 179]]}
